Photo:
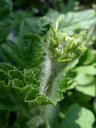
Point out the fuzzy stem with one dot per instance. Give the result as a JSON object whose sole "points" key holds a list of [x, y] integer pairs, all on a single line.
{"points": [[46, 73]]}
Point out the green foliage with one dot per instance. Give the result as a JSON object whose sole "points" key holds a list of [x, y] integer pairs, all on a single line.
{"points": [[47, 72], [76, 117], [5, 7]]}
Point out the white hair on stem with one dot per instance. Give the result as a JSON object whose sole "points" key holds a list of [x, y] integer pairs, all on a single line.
{"points": [[46, 73]]}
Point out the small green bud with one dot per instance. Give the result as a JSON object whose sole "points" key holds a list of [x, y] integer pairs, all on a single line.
{"points": [[62, 47]]}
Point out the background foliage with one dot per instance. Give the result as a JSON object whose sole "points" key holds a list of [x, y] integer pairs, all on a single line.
{"points": [[24, 31]]}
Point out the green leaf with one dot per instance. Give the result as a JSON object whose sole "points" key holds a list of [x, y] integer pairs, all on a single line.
{"points": [[72, 22], [29, 76], [5, 7], [66, 84], [16, 83], [88, 57], [89, 70], [16, 74], [34, 98], [4, 76], [2, 84], [9, 101], [87, 89], [33, 25], [78, 116], [26, 89], [6, 67], [84, 79]]}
